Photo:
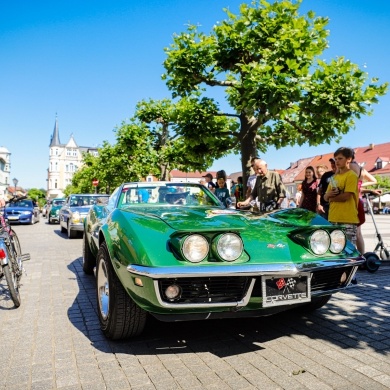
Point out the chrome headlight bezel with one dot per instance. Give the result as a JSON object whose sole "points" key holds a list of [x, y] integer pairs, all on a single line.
{"points": [[338, 241], [319, 242], [227, 246], [195, 248]]}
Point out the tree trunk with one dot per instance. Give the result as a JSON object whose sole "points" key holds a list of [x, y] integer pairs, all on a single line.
{"points": [[248, 133]]}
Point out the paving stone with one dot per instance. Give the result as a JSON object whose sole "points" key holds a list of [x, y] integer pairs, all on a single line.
{"points": [[55, 340]]}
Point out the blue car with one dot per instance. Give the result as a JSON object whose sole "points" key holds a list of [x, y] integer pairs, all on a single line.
{"points": [[22, 211]]}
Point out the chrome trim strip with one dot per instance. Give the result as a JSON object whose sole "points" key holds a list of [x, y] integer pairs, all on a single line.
{"points": [[240, 269], [167, 305]]}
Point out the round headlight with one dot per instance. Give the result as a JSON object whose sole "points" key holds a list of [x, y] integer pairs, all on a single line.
{"points": [[229, 246], [76, 217], [195, 248], [337, 241], [319, 242]]}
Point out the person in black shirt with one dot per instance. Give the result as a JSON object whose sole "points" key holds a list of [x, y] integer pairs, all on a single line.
{"points": [[322, 204]]}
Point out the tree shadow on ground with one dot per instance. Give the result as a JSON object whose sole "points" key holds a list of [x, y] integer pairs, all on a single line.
{"points": [[358, 318]]}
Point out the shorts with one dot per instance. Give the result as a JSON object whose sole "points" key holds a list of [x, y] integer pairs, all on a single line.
{"points": [[361, 213], [350, 231]]}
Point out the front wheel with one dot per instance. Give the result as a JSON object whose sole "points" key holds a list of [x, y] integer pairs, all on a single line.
{"points": [[71, 233], [119, 316], [13, 284], [372, 261]]}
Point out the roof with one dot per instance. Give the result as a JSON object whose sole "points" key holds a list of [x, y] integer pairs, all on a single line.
{"points": [[55, 138], [367, 156]]}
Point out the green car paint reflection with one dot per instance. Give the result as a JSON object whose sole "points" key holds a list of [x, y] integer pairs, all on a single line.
{"points": [[155, 250]]}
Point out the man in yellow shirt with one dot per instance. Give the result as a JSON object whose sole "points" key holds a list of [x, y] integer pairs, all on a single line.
{"points": [[342, 194]]}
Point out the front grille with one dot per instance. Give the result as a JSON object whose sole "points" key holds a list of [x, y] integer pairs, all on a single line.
{"points": [[329, 279], [207, 290]]}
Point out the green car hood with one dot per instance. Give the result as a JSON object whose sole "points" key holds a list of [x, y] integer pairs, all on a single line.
{"points": [[191, 219]]}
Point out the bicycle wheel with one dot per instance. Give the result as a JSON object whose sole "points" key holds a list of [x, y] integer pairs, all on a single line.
{"points": [[15, 242], [13, 284]]}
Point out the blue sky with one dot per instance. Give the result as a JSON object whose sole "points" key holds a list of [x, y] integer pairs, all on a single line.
{"points": [[91, 61]]}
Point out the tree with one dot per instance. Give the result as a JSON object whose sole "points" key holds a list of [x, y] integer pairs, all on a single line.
{"points": [[168, 123], [266, 59], [38, 195]]}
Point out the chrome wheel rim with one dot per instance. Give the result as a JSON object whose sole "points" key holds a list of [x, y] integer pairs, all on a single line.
{"points": [[103, 289]]}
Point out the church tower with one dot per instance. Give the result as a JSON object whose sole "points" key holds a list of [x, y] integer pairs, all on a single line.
{"points": [[64, 161]]}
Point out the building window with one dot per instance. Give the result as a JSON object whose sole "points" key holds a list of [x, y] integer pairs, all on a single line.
{"points": [[55, 184], [379, 165], [56, 152], [56, 167], [74, 151]]}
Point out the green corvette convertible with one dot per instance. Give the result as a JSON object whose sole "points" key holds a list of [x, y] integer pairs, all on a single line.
{"points": [[172, 250]]}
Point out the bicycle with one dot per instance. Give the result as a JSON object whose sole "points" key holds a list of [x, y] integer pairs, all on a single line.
{"points": [[11, 258]]}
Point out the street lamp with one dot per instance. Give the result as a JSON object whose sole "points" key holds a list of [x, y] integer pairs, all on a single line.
{"points": [[15, 180]]}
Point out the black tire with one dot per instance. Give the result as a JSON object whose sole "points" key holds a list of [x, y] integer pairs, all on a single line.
{"points": [[89, 260], [63, 230], [71, 233], [15, 242], [119, 316], [316, 303], [372, 261], [13, 284], [49, 220]]}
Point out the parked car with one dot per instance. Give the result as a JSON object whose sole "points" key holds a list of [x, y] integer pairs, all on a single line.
{"points": [[53, 213], [45, 208], [22, 211], [173, 251], [74, 210]]}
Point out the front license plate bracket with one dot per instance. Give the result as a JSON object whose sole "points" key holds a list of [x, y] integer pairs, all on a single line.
{"points": [[285, 290]]}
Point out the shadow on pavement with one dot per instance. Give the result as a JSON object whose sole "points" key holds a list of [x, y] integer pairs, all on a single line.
{"points": [[356, 319]]}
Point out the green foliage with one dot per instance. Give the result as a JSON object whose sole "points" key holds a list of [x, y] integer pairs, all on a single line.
{"points": [[281, 93], [383, 183], [38, 195]]}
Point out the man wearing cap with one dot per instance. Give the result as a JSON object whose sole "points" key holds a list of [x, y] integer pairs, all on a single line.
{"points": [[209, 182], [322, 204]]}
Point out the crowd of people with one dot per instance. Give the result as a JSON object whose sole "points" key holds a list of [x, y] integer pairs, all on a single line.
{"points": [[335, 193]]}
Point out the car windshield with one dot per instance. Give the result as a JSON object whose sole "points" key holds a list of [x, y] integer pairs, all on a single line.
{"points": [[84, 200], [58, 202], [159, 193], [22, 203]]}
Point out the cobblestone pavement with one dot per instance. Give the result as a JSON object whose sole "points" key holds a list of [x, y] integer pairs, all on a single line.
{"points": [[53, 340]]}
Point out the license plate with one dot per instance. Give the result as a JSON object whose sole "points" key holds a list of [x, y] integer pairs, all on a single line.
{"points": [[11, 218], [285, 290]]}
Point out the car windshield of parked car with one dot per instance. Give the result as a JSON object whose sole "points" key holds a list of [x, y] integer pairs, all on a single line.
{"points": [[82, 200], [22, 203], [167, 194], [58, 202]]}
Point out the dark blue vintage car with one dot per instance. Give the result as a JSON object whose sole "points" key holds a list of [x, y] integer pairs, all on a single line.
{"points": [[22, 211]]}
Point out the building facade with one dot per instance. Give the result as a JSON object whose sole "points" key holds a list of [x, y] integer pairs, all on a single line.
{"points": [[64, 161], [5, 168]]}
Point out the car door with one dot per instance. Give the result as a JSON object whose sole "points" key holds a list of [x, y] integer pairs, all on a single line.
{"points": [[64, 213]]}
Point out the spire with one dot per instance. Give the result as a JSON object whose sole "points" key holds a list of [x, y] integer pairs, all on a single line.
{"points": [[55, 138]]}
